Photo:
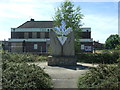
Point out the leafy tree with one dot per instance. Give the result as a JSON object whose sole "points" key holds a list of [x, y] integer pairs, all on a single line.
{"points": [[72, 17], [112, 41]]}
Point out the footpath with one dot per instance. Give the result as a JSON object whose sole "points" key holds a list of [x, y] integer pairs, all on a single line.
{"points": [[65, 77]]}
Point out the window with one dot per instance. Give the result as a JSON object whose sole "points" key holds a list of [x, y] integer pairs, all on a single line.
{"points": [[17, 35], [46, 34], [35, 46], [21, 35], [82, 47], [30, 34], [85, 35], [88, 48], [38, 34]]}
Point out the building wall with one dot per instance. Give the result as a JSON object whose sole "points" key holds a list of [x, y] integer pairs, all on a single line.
{"points": [[16, 47], [98, 46], [27, 35], [34, 37], [33, 47], [85, 35]]}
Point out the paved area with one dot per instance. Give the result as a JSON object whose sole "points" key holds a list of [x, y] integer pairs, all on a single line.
{"points": [[65, 77]]}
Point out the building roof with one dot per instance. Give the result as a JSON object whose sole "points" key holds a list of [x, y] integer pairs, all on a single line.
{"points": [[37, 24]]}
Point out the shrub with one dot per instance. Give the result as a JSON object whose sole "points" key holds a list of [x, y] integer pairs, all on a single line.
{"points": [[101, 77], [105, 58], [22, 75], [18, 74], [42, 58], [118, 59], [26, 57]]}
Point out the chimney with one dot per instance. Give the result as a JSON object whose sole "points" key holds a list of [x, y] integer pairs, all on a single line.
{"points": [[31, 19]]}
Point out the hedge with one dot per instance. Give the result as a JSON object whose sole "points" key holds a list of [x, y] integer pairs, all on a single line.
{"points": [[22, 75], [25, 57], [17, 74], [103, 76], [105, 58]]}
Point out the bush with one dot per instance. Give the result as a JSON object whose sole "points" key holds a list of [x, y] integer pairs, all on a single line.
{"points": [[26, 57], [105, 58], [101, 77], [18, 74], [42, 58], [22, 75]]}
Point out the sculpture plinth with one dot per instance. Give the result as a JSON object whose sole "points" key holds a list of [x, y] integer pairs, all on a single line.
{"points": [[61, 61], [62, 48]]}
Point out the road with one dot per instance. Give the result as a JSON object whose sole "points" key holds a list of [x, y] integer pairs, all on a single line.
{"points": [[65, 77]]}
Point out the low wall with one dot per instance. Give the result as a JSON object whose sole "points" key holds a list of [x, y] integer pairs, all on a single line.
{"points": [[61, 61]]}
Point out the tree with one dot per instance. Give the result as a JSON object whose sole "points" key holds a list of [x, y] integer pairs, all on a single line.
{"points": [[112, 41], [72, 17]]}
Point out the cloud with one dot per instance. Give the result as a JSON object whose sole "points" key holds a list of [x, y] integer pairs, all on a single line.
{"points": [[25, 8], [4, 35], [15, 12]]}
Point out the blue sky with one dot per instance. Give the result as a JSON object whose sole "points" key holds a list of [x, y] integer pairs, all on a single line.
{"points": [[102, 17]]}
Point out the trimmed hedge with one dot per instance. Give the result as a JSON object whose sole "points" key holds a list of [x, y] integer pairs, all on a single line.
{"points": [[101, 77], [26, 57], [104, 76], [105, 58], [22, 75], [18, 74]]}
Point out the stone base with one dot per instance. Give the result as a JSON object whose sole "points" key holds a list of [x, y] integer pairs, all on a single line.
{"points": [[61, 61]]}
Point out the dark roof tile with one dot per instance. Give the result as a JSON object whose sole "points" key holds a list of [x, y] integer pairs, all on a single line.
{"points": [[37, 24]]}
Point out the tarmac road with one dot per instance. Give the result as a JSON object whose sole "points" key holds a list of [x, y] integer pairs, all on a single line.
{"points": [[65, 77]]}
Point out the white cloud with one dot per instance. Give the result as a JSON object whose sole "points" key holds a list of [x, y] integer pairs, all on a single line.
{"points": [[19, 10], [15, 12], [4, 34], [27, 8]]}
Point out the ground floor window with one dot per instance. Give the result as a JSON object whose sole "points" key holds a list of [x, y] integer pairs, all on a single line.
{"points": [[88, 48], [35, 46], [82, 47]]}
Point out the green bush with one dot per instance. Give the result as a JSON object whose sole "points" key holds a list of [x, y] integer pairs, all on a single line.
{"points": [[101, 77], [105, 58], [22, 75], [42, 58], [26, 57], [18, 74], [118, 59]]}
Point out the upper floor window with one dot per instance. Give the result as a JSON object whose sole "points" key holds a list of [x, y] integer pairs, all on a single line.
{"points": [[18, 35], [30, 34], [85, 35], [46, 34], [38, 34]]}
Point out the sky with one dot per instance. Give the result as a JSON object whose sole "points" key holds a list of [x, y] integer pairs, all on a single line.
{"points": [[100, 15]]}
